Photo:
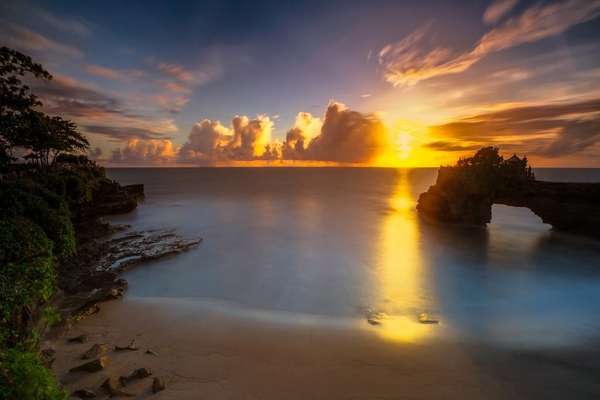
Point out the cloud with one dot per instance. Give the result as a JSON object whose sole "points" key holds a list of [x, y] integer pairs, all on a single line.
{"points": [[552, 129], [123, 133], [245, 140], [442, 145], [77, 26], [412, 59], [140, 151], [64, 95], [176, 71], [206, 141], [348, 136], [114, 74], [343, 136], [95, 153], [26, 40], [575, 136], [306, 127], [99, 112], [497, 10]]}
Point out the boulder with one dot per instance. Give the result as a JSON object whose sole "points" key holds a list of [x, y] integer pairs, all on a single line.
{"points": [[158, 385], [78, 339], [111, 385], [95, 351], [131, 347], [92, 366], [139, 373]]}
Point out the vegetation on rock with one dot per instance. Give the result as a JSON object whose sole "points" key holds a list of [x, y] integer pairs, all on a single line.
{"points": [[42, 195], [466, 192]]}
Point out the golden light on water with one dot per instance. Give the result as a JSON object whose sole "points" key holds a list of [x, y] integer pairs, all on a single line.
{"points": [[400, 268]]}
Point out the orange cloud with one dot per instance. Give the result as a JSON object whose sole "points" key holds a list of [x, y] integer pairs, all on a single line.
{"points": [[151, 151]]}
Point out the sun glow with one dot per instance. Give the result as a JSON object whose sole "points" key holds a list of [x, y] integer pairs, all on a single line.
{"points": [[402, 280], [406, 146]]}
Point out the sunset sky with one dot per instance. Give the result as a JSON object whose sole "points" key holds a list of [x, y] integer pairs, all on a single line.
{"points": [[395, 83]]}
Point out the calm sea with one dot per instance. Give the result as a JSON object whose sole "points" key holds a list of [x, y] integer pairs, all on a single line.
{"points": [[337, 244]]}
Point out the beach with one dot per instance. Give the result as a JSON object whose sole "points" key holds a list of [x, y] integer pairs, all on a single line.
{"points": [[203, 354]]}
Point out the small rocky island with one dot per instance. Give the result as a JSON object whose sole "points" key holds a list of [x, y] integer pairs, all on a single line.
{"points": [[465, 193]]}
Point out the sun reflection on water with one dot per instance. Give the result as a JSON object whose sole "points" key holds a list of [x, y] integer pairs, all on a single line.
{"points": [[402, 280]]}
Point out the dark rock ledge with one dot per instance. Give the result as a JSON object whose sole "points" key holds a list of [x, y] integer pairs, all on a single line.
{"points": [[104, 251]]}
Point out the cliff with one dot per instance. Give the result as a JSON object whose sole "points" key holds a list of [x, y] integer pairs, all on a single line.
{"points": [[466, 192]]}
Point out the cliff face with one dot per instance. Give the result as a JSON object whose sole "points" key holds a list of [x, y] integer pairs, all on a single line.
{"points": [[570, 207]]}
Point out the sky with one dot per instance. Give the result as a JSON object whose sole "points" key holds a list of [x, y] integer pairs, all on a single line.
{"points": [[389, 83]]}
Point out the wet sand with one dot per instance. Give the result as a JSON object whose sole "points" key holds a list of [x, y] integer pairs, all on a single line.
{"points": [[208, 354]]}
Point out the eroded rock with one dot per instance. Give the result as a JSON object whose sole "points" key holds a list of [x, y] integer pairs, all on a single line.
{"points": [[131, 347], [95, 351], [78, 339], [139, 373], [111, 385], [151, 352], [465, 194], [92, 366], [136, 247], [158, 385]]}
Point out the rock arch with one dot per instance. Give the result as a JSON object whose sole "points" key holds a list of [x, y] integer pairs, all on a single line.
{"points": [[466, 192]]}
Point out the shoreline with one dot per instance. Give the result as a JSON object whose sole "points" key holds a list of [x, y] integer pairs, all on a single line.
{"points": [[215, 355]]}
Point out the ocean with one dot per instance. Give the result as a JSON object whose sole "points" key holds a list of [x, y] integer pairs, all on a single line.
{"points": [[338, 246]]}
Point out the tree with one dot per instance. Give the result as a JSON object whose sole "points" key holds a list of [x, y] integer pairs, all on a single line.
{"points": [[16, 99], [47, 137], [21, 125]]}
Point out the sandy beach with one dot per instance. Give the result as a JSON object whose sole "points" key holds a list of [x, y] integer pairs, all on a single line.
{"points": [[204, 354]]}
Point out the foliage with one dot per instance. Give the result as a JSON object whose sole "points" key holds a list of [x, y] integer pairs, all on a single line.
{"points": [[16, 99], [486, 173], [37, 204], [43, 207], [23, 376], [21, 125], [27, 275], [48, 137]]}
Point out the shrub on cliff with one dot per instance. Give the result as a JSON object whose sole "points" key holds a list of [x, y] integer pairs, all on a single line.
{"points": [[43, 207], [26, 276], [23, 376]]}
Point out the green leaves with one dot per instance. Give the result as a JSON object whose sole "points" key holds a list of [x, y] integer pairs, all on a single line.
{"points": [[24, 377]]}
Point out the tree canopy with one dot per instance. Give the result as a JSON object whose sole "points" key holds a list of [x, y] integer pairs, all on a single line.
{"points": [[22, 124]]}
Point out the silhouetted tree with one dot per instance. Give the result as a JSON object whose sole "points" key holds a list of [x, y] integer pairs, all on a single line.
{"points": [[21, 125], [16, 99], [47, 137]]}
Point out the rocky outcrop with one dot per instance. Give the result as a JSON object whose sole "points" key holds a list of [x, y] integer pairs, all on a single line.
{"points": [[109, 198], [569, 207], [91, 276]]}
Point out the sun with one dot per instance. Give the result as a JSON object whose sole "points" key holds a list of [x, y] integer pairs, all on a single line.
{"points": [[406, 145]]}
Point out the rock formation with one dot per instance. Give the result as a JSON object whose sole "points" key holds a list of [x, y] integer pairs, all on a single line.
{"points": [[466, 192]]}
